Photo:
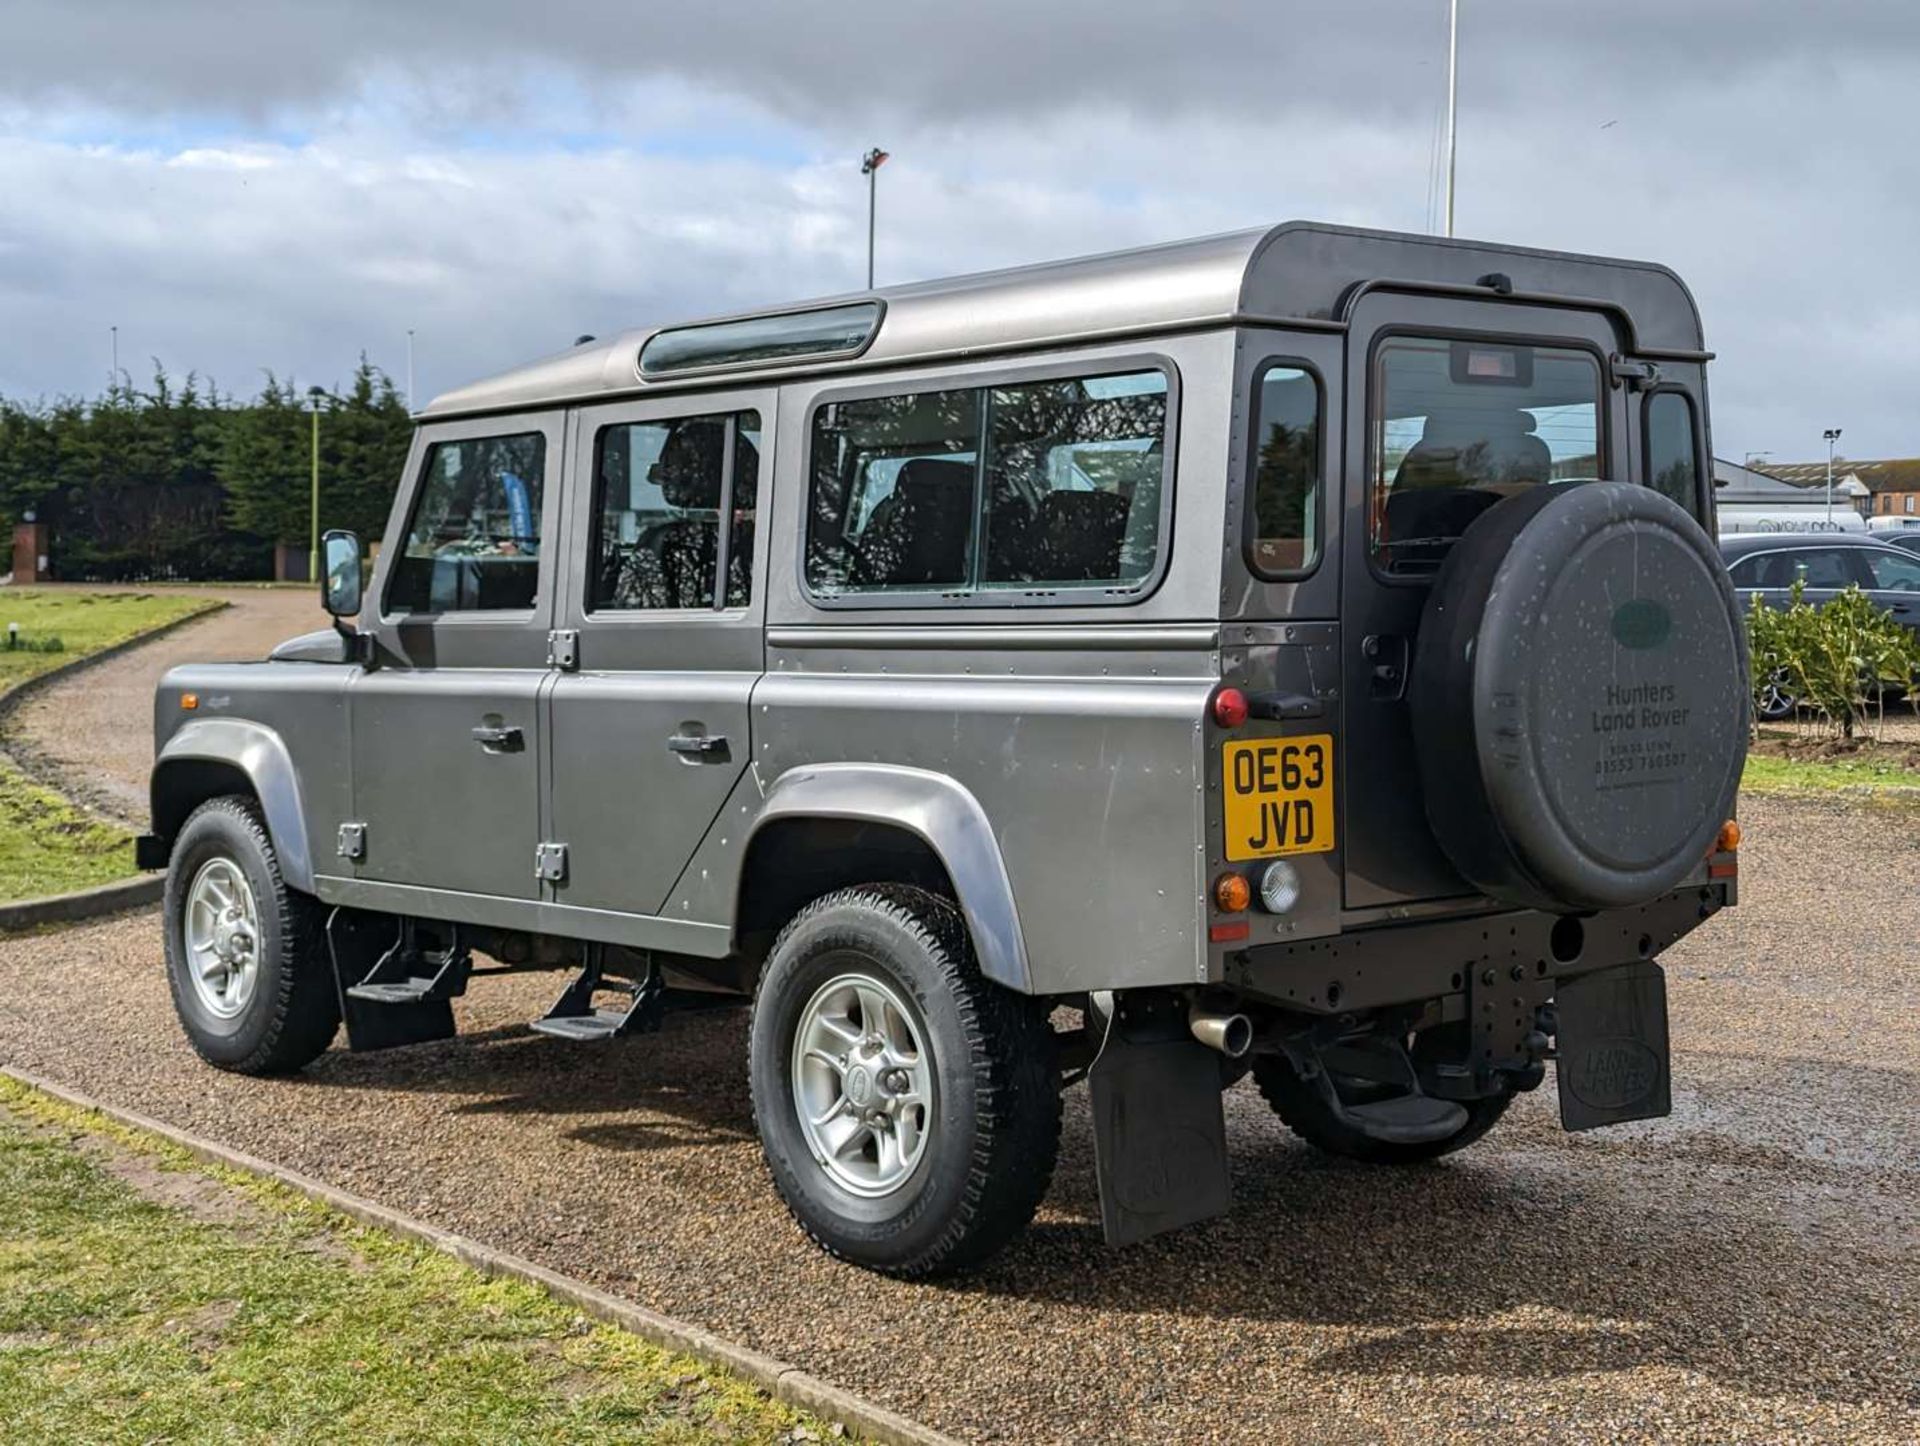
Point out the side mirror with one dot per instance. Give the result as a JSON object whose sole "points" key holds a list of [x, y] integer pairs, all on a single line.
{"points": [[340, 585]]}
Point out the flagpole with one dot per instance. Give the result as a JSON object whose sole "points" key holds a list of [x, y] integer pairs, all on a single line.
{"points": [[1453, 113]]}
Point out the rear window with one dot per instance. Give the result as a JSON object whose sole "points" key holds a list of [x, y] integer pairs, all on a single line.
{"points": [[1056, 486], [1286, 473], [1458, 425], [1673, 453]]}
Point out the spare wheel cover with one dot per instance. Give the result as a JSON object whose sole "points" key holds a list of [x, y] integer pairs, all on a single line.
{"points": [[1579, 697]]}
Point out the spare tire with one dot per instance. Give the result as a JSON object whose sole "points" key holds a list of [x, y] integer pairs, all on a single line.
{"points": [[1579, 698]]}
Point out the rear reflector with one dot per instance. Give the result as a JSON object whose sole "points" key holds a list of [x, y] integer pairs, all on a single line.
{"points": [[1228, 933]]}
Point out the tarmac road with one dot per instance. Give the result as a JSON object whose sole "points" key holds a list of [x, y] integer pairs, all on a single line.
{"points": [[1748, 1270]]}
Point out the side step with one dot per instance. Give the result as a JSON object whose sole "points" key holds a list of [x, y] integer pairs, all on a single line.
{"points": [[574, 1015], [386, 1006], [1409, 1120], [406, 974], [1412, 1118]]}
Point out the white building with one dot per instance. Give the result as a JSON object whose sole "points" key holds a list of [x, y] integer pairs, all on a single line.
{"points": [[1750, 501]]}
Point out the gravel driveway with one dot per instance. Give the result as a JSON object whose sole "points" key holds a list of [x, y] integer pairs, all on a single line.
{"points": [[92, 737], [1746, 1271]]}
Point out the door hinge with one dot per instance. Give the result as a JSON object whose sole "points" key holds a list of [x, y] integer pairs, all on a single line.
{"points": [[1637, 376], [550, 863], [353, 841], [563, 649]]}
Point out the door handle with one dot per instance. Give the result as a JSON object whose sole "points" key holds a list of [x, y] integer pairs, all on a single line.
{"points": [[698, 745], [498, 738]]}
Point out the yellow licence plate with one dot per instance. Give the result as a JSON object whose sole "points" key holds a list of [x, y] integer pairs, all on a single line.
{"points": [[1279, 795]]}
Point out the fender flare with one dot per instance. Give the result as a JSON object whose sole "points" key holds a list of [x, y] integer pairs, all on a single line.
{"points": [[946, 817], [260, 753]]}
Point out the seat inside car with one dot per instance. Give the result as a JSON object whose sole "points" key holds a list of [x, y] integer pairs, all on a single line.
{"points": [[918, 534]]}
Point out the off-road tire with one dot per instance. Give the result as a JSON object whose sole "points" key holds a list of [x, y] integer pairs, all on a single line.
{"points": [[294, 1011], [1302, 1109], [995, 1129]]}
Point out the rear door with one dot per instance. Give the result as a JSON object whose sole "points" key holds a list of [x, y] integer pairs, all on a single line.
{"points": [[650, 726], [1452, 405]]}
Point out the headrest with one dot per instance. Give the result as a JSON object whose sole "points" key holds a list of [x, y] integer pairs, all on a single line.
{"points": [[927, 478], [1451, 429], [687, 472]]}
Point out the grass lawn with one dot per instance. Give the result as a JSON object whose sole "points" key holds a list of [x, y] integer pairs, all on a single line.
{"points": [[1803, 760], [1830, 775], [85, 622], [47, 846], [147, 1297]]}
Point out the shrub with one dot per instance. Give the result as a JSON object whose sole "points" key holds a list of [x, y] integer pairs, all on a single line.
{"points": [[1838, 658]]}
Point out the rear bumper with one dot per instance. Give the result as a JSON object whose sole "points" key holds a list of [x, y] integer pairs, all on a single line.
{"points": [[1411, 962]]}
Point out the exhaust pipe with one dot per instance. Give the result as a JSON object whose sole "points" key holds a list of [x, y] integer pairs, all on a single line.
{"points": [[1231, 1034]]}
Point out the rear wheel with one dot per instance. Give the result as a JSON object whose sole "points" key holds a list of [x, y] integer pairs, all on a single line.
{"points": [[908, 1106], [246, 955], [1304, 1110]]}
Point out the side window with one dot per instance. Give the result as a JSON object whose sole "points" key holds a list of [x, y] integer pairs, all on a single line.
{"points": [[473, 541], [1673, 454], [1042, 486], [1285, 492], [663, 501], [1893, 571], [1818, 567], [1746, 572]]}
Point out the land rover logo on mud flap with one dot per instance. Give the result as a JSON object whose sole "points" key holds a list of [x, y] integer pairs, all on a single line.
{"points": [[1612, 1072], [1641, 623]]}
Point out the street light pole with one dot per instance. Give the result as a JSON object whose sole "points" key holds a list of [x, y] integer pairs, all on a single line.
{"points": [[314, 398], [113, 376], [1453, 108], [409, 369], [1832, 434], [870, 165]]}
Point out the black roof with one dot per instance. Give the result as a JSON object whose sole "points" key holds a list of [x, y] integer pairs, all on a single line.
{"points": [[1743, 544]]}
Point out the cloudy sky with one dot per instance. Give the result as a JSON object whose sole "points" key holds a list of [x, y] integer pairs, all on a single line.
{"points": [[241, 187]]}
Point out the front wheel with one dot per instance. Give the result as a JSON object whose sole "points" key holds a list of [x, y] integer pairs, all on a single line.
{"points": [[246, 955], [908, 1106]]}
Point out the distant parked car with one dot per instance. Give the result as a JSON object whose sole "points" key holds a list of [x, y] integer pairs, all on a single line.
{"points": [[1768, 564], [1909, 540]]}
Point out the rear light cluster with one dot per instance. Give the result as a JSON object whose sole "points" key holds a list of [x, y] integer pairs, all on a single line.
{"points": [[1229, 707], [1233, 893], [1726, 842]]}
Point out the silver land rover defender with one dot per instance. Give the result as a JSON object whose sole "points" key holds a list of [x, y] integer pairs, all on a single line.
{"points": [[1298, 651]]}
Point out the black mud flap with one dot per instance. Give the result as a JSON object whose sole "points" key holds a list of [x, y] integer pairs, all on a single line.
{"points": [[355, 941], [1613, 1062], [1159, 1137]]}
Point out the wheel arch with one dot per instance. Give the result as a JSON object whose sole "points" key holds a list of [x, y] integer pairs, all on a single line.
{"points": [[216, 756], [827, 826]]}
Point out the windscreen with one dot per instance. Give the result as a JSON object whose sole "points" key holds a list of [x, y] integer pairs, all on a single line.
{"points": [[1457, 425]]}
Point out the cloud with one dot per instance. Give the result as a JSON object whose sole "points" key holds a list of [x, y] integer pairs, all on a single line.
{"points": [[283, 186]]}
